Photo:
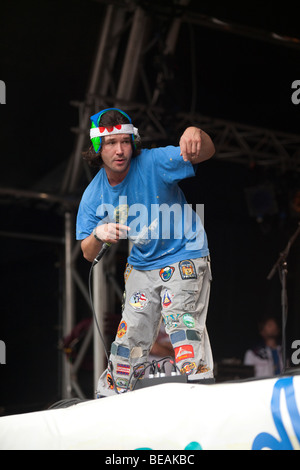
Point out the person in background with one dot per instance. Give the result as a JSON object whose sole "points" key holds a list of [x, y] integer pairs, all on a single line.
{"points": [[266, 356]]}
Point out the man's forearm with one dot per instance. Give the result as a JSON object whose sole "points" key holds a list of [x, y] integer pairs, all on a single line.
{"points": [[207, 149], [90, 247]]}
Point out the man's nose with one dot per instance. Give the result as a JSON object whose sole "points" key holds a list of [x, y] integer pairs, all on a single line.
{"points": [[119, 148]]}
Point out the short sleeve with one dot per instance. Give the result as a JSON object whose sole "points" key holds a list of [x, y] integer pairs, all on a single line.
{"points": [[170, 165], [86, 221]]}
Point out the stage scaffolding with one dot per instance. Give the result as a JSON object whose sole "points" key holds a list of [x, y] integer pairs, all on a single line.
{"points": [[116, 72]]}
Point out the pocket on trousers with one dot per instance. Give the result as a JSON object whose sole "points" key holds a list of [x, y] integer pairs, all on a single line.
{"points": [[189, 295]]}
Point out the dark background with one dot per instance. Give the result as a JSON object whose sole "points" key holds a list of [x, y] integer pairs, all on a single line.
{"points": [[46, 54]]}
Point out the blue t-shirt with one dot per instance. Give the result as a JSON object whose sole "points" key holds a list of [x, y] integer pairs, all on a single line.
{"points": [[164, 229]]}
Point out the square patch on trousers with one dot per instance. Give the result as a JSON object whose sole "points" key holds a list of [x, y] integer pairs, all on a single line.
{"points": [[187, 269], [193, 335], [123, 352], [183, 352], [123, 369], [177, 336]]}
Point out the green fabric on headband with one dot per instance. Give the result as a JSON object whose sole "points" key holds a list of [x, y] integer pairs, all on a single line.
{"points": [[96, 141]]}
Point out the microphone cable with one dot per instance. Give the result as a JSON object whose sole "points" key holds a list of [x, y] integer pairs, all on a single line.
{"points": [[101, 253]]}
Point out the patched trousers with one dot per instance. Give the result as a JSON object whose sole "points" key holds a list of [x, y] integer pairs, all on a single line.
{"points": [[178, 294]]}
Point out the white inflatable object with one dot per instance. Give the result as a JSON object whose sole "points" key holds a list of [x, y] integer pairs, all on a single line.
{"points": [[255, 414]]}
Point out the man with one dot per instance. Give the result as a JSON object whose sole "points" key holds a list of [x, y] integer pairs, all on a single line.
{"points": [[135, 194], [266, 356]]}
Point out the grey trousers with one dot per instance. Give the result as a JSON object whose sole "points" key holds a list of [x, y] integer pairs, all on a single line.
{"points": [[178, 294]]}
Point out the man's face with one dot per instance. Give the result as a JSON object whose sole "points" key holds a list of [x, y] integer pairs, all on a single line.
{"points": [[270, 330], [116, 153]]}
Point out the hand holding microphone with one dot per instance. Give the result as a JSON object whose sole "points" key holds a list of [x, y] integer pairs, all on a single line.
{"points": [[108, 234]]}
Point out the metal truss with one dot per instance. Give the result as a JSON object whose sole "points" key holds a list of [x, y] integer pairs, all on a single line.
{"points": [[249, 145]]}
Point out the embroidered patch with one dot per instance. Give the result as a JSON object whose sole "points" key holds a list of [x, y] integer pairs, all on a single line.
{"points": [[123, 352], [127, 271], [136, 352], [171, 320], [122, 328], [187, 269], [183, 352], [121, 383], [188, 320], [118, 350], [202, 368], [138, 301], [188, 367], [193, 335], [178, 336], [114, 348], [139, 371], [123, 369], [167, 298], [166, 273], [110, 381]]}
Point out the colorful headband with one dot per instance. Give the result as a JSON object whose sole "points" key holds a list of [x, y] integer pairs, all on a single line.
{"points": [[97, 132], [110, 130]]}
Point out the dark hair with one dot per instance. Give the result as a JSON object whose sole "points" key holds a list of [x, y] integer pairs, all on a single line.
{"points": [[265, 319], [110, 118]]}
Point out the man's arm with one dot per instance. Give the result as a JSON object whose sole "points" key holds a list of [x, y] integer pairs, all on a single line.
{"points": [[196, 146]]}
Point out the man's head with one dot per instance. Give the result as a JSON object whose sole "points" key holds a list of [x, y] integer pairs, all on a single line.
{"points": [[269, 328], [107, 123]]}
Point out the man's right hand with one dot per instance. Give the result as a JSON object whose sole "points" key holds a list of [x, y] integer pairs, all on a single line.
{"points": [[111, 233], [107, 233]]}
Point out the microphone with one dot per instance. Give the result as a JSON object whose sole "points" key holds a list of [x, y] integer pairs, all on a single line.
{"points": [[101, 253]]}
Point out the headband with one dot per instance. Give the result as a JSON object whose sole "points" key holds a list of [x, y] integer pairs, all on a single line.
{"points": [[110, 130], [97, 132]]}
